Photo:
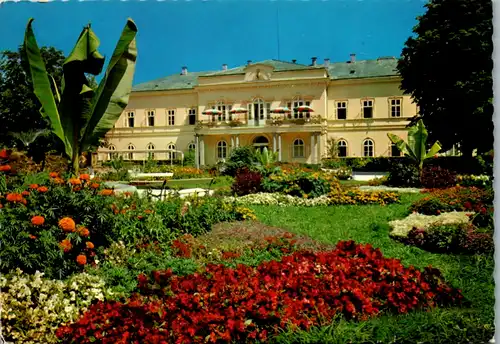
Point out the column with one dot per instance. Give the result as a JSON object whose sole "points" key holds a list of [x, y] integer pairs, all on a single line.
{"points": [[232, 143], [237, 141], [202, 151], [197, 151], [275, 149], [313, 155], [320, 149], [279, 147]]}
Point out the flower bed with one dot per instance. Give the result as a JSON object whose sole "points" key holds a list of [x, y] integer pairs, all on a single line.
{"points": [[33, 307], [223, 304], [401, 228]]}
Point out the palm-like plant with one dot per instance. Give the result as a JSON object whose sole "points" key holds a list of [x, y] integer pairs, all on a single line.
{"points": [[264, 157], [80, 116], [416, 147]]}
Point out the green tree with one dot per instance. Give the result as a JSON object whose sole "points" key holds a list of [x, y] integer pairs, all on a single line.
{"points": [[81, 115], [447, 69], [19, 107]]}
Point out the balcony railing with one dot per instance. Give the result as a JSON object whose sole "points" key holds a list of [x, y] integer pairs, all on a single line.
{"points": [[312, 119], [273, 121]]}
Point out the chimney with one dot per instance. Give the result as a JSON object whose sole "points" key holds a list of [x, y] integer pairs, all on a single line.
{"points": [[224, 66], [353, 58], [249, 62], [184, 70], [294, 61], [313, 61], [327, 62]]}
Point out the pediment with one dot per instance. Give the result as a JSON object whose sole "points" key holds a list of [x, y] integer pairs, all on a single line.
{"points": [[258, 72]]}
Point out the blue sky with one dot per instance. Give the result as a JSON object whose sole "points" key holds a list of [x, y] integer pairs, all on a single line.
{"points": [[203, 35]]}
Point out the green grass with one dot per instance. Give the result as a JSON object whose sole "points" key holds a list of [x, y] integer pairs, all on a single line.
{"points": [[368, 224]]}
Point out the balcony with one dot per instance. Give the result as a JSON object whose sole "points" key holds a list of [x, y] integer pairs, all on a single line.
{"points": [[274, 120]]}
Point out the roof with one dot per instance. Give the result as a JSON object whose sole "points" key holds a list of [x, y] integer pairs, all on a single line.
{"points": [[385, 66]]}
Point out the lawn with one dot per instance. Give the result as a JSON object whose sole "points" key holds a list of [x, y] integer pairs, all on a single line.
{"points": [[368, 224]]}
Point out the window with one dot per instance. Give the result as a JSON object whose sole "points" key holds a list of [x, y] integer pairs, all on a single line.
{"points": [[395, 107], [171, 155], [296, 103], [341, 110], [342, 148], [268, 110], [298, 148], [151, 118], [130, 155], [368, 147], [222, 107], [192, 146], [367, 108], [171, 117], [192, 116], [221, 150], [229, 114], [151, 147], [112, 156], [130, 119], [394, 150]]}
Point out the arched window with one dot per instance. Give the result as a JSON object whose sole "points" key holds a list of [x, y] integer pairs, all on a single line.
{"points": [[368, 147], [131, 147], [151, 147], [111, 155], [221, 150], [191, 146], [342, 148], [171, 155], [298, 148]]}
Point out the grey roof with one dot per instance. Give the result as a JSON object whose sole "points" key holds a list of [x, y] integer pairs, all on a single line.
{"points": [[385, 66]]}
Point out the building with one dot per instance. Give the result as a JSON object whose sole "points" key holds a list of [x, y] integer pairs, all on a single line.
{"points": [[355, 102]]}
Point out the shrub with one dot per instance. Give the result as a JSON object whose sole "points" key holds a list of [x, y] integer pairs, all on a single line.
{"points": [[481, 181], [403, 174], [247, 304], [299, 183], [437, 177], [33, 307], [401, 228], [247, 182], [239, 158]]}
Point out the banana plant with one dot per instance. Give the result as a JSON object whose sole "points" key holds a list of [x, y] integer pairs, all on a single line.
{"points": [[265, 157], [80, 115], [416, 147]]}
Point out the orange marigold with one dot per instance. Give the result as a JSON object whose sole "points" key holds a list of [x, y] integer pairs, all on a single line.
{"points": [[5, 168], [25, 193], [1, 205], [90, 245], [106, 192], [77, 188], [32, 237], [148, 211], [37, 220], [58, 180], [43, 189], [53, 174], [81, 259], [75, 181], [94, 186], [67, 224], [4, 154], [33, 186], [66, 245], [83, 231], [85, 176], [14, 197]]}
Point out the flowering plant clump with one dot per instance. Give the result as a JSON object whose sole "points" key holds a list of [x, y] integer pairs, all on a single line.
{"points": [[245, 304], [33, 307], [298, 183], [355, 196], [480, 181], [401, 228], [279, 199]]}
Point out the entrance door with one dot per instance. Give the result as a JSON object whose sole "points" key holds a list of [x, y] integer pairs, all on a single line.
{"points": [[258, 112], [260, 143]]}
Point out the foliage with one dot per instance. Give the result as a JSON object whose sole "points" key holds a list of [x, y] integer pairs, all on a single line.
{"points": [[473, 180], [457, 106], [437, 177], [451, 238], [19, 107], [79, 115], [416, 147], [404, 175], [247, 182], [298, 183], [239, 158], [33, 307], [190, 158], [357, 197], [225, 304], [265, 158]]}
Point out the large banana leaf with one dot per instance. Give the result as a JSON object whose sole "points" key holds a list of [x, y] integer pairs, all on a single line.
{"points": [[113, 92], [41, 84]]}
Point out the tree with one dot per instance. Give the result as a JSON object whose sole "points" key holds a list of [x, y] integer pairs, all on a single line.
{"points": [[80, 115], [447, 69], [416, 147], [19, 107]]}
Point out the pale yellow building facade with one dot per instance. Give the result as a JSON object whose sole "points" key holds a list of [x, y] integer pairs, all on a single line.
{"points": [[355, 102]]}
